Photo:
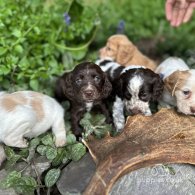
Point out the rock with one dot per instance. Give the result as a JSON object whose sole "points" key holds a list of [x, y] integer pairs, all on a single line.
{"points": [[75, 176], [10, 191], [175, 179], [41, 164]]}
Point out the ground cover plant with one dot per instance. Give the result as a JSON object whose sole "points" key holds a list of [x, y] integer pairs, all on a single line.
{"points": [[39, 40]]}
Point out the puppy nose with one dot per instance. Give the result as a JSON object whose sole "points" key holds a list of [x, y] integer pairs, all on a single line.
{"points": [[192, 109], [136, 111], [88, 92]]}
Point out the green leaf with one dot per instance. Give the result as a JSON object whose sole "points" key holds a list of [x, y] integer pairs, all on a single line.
{"points": [[41, 149], [35, 142], [51, 153], [11, 179], [17, 33], [61, 153], [47, 140], [19, 49], [52, 177], [3, 50], [26, 185], [79, 54], [12, 157], [70, 139], [76, 151], [34, 84]]}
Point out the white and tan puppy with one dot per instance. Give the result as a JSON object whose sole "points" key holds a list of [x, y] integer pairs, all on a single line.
{"points": [[27, 114], [179, 85]]}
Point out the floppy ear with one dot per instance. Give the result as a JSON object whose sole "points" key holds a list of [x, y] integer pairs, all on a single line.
{"points": [[158, 87], [118, 87], [124, 53], [63, 88], [171, 81], [107, 87]]}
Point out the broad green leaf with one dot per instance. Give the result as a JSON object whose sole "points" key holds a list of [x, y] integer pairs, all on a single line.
{"points": [[51, 153], [17, 33], [41, 149], [19, 49], [70, 139], [34, 84], [61, 153], [35, 142], [76, 151], [47, 140], [52, 177], [11, 179], [3, 50]]}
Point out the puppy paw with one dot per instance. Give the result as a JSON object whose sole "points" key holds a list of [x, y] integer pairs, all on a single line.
{"points": [[22, 143], [60, 142]]}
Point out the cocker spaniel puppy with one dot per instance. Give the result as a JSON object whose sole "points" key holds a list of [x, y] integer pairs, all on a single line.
{"points": [[27, 114], [179, 85], [121, 50], [87, 86], [135, 87]]}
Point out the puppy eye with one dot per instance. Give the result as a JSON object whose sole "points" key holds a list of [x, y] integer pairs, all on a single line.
{"points": [[108, 48], [78, 81], [97, 79], [143, 94], [186, 92], [128, 95]]}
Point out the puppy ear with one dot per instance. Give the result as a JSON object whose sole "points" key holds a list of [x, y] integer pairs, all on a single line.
{"points": [[107, 88], [63, 88], [118, 87], [171, 82], [125, 53], [158, 87]]}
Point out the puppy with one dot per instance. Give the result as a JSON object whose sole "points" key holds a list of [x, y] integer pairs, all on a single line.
{"points": [[27, 114], [121, 50], [179, 85], [134, 87], [87, 86]]}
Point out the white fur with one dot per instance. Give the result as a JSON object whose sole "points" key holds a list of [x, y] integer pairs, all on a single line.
{"points": [[170, 65], [112, 66], [22, 121], [89, 106], [118, 114], [134, 87]]}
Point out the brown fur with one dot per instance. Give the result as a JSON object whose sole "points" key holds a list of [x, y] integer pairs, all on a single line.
{"points": [[37, 104], [124, 52], [11, 101], [176, 80]]}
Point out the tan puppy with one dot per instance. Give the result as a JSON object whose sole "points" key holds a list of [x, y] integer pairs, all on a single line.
{"points": [[120, 49], [179, 85]]}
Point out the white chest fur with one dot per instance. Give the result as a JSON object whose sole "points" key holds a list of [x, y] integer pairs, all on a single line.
{"points": [[89, 106]]}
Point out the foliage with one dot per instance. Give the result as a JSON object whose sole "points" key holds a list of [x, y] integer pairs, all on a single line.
{"points": [[141, 20], [95, 124], [44, 146], [37, 41]]}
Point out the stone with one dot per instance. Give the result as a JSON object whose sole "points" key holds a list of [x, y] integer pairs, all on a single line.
{"points": [[76, 176], [173, 179], [41, 164]]}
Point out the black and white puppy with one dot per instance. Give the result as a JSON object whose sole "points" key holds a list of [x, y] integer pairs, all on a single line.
{"points": [[134, 88], [86, 87]]}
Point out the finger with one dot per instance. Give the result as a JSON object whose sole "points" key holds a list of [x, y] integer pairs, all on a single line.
{"points": [[169, 8], [181, 14], [179, 8], [189, 12]]}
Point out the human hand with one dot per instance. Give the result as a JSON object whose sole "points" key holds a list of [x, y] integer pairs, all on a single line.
{"points": [[179, 11]]}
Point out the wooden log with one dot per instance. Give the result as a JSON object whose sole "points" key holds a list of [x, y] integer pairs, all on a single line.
{"points": [[165, 137]]}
